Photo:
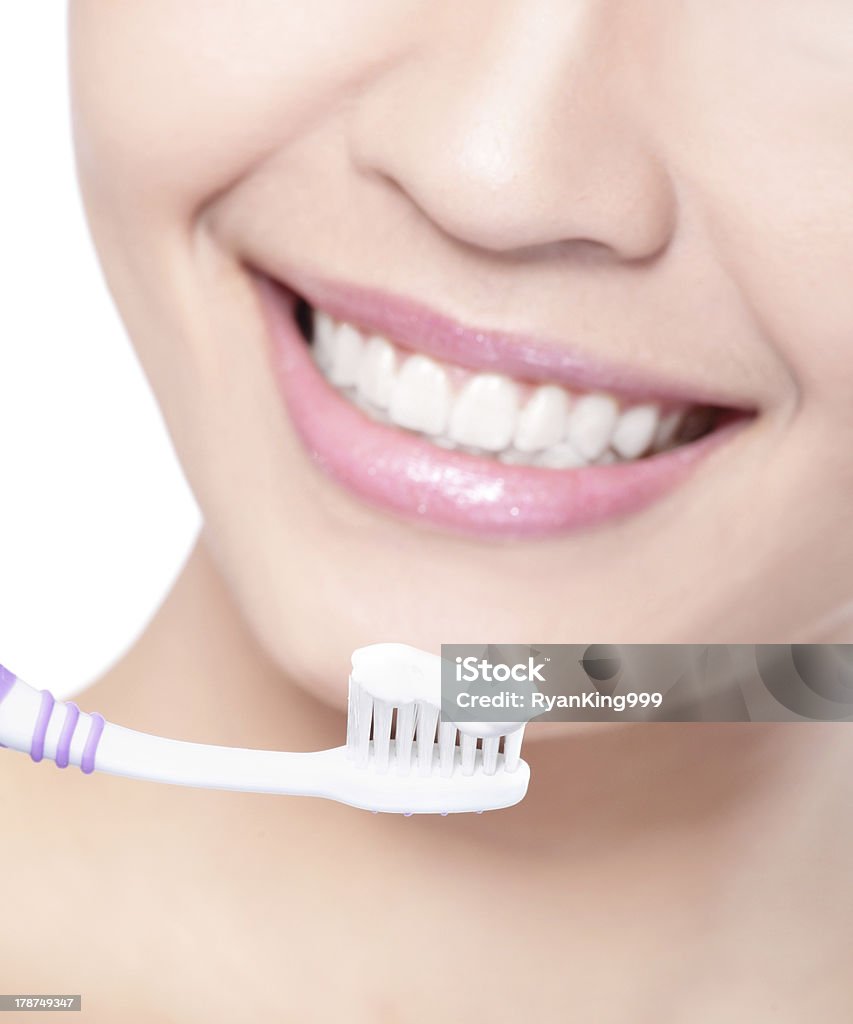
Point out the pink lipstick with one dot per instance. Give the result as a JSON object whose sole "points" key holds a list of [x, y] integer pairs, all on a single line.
{"points": [[404, 473]]}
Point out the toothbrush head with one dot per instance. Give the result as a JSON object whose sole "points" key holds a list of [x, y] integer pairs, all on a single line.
{"points": [[412, 761]]}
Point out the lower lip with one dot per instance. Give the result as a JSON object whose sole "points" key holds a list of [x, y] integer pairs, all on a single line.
{"points": [[404, 474]]}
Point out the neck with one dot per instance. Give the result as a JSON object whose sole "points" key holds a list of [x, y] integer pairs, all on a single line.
{"points": [[628, 837]]}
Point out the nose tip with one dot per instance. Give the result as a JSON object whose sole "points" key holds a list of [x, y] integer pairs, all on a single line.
{"points": [[505, 194], [522, 146]]}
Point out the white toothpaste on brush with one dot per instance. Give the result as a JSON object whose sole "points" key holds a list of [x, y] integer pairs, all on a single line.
{"points": [[401, 674]]}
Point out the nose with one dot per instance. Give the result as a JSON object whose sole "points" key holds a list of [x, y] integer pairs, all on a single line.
{"points": [[513, 127]]}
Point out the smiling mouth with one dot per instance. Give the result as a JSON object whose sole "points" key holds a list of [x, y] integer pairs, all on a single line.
{"points": [[473, 430], [489, 414]]}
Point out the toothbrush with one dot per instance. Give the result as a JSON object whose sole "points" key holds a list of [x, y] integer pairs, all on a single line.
{"points": [[422, 770]]}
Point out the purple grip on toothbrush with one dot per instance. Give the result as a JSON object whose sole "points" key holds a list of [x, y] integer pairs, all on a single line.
{"points": [[72, 716], [72, 713], [37, 745]]}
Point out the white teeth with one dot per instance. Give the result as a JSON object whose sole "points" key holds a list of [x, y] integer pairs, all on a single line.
{"points": [[635, 430], [590, 424], [560, 456], [485, 413], [323, 339], [513, 457], [421, 398], [667, 429], [553, 428], [542, 422], [376, 373], [347, 356]]}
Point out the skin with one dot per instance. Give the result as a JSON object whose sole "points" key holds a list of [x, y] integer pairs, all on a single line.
{"points": [[666, 184]]}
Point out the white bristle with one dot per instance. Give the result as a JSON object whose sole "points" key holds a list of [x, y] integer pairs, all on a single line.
{"points": [[363, 718], [447, 747], [383, 712], [352, 718], [405, 737], [490, 754], [427, 721], [512, 749], [469, 753]]}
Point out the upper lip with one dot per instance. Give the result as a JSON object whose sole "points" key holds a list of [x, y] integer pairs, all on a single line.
{"points": [[414, 325]]}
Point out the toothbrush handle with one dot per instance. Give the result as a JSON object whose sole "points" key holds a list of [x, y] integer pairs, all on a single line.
{"points": [[33, 722]]}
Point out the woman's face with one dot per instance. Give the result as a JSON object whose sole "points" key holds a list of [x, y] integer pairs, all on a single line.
{"points": [[525, 237]]}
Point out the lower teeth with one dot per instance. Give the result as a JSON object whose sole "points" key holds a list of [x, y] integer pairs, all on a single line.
{"points": [[694, 425]]}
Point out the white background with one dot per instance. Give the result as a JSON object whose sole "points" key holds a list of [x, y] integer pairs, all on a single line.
{"points": [[95, 516]]}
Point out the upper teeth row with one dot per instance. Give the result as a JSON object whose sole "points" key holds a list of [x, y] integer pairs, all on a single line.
{"points": [[488, 412]]}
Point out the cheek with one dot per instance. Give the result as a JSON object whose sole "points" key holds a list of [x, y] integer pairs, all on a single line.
{"points": [[762, 135], [173, 102], [166, 109], [784, 230]]}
